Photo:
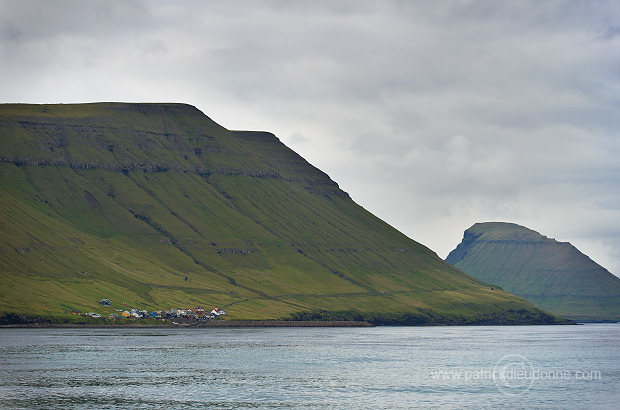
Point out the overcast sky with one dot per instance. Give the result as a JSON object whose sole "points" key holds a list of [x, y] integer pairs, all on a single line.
{"points": [[433, 115]]}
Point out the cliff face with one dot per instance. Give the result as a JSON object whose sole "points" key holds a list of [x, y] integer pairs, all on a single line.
{"points": [[156, 206], [553, 275]]}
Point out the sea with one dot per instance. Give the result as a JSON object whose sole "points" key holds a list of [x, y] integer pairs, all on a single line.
{"points": [[311, 368]]}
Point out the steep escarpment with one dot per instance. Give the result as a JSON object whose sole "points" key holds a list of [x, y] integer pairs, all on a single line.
{"points": [[156, 206], [553, 275]]}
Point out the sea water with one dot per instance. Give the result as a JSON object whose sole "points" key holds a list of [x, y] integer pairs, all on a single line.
{"points": [[316, 368]]}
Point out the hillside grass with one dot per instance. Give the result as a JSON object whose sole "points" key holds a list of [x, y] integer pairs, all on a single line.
{"points": [[156, 206], [552, 275]]}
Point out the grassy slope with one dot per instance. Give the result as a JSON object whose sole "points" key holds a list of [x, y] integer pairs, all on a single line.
{"points": [[550, 274], [157, 206]]}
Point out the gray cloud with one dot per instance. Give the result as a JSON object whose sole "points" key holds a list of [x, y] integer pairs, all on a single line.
{"points": [[432, 115]]}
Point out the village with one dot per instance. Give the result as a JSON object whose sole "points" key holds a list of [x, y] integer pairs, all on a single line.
{"points": [[198, 313]]}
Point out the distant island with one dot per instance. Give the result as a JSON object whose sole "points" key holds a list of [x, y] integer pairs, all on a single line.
{"points": [[553, 275], [155, 206]]}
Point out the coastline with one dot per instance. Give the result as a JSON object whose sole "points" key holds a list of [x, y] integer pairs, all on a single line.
{"points": [[286, 323], [212, 323], [248, 324]]}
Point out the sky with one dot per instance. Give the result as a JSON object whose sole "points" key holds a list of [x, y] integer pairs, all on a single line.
{"points": [[433, 115]]}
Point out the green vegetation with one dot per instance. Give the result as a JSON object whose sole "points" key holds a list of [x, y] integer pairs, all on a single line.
{"points": [[156, 206], [552, 275], [13, 319]]}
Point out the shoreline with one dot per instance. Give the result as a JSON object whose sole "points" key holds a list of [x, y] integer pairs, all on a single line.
{"points": [[286, 323], [248, 324], [209, 324]]}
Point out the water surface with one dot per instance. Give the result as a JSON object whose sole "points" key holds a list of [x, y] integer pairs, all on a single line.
{"points": [[323, 368]]}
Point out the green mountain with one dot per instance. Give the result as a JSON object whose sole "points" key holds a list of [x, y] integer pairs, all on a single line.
{"points": [[552, 275], [156, 206]]}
